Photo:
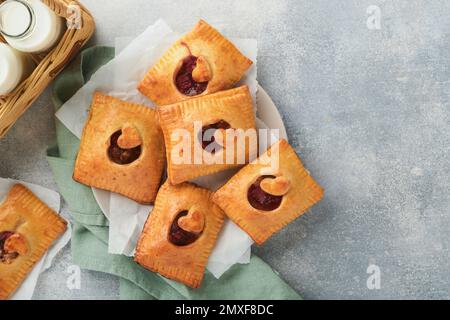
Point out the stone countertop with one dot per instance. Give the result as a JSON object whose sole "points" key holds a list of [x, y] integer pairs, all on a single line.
{"points": [[366, 107]]}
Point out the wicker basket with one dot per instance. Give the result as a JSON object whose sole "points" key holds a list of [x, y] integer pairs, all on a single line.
{"points": [[13, 105]]}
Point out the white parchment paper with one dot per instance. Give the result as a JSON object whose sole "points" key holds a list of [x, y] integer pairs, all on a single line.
{"points": [[120, 78], [52, 199]]}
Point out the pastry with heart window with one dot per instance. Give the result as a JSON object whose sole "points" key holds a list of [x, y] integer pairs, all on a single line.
{"points": [[180, 233], [27, 229], [269, 193], [208, 134], [203, 61], [122, 149]]}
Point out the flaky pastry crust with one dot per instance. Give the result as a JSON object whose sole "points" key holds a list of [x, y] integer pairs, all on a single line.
{"points": [[234, 106], [138, 180], [34, 227], [222, 65], [291, 181], [184, 263]]}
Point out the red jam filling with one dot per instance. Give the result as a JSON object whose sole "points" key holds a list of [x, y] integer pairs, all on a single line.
{"points": [[184, 81], [119, 155], [178, 236], [261, 200], [6, 257], [206, 137]]}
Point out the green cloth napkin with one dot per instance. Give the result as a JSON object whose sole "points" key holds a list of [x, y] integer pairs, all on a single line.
{"points": [[255, 280]]}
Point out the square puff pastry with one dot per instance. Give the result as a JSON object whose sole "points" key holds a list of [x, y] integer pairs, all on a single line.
{"points": [[262, 198], [122, 149], [233, 107], [219, 66], [180, 233], [27, 229]]}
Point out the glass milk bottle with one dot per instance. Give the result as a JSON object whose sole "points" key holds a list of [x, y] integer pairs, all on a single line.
{"points": [[15, 66], [29, 25]]}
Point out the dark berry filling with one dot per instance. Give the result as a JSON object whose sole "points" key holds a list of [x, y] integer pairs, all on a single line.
{"points": [[119, 155], [206, 137], [6, 257], [178, 236], [184, 81], [261, 200]]}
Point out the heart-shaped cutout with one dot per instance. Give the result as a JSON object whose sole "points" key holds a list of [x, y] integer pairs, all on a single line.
{"points": [[278, 186], [202, 71], [130, 137], [16, 243], [193, 222]]}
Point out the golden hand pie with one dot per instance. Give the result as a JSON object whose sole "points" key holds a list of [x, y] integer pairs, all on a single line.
{"points": [[199, 63], [180, 233], [269, 193], [27, 229], [192, 128], [122, 149]]}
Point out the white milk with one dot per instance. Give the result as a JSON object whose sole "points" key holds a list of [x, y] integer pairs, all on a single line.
{"points": [[29, 25], [15, 66]]}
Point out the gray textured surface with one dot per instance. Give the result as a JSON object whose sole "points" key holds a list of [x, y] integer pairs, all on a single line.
{"points": [[367, 110]]}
